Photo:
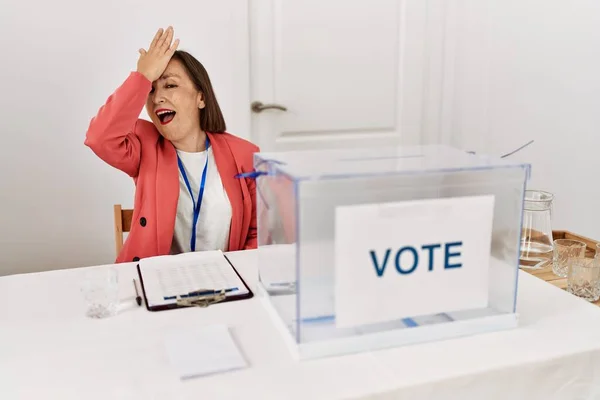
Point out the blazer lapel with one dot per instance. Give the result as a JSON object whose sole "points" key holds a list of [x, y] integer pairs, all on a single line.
{"points": [[228, 169], [245, 197], [167, 194]]}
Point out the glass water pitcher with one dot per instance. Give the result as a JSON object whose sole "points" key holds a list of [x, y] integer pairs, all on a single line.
{"points": [[536, 236]]}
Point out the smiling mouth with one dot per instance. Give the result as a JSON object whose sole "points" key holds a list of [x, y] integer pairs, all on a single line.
{"points": [[165, 116]]}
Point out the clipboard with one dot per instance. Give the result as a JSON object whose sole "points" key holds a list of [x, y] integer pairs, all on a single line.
{"points": [[171, 306]]}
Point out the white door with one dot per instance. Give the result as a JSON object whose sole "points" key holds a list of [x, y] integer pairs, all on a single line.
{"points": [[341, 73]]}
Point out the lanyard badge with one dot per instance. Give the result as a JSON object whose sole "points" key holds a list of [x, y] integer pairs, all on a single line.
{"points": [[197, 203]]}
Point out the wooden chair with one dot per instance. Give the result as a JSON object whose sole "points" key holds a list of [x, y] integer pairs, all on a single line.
{"points": [[122, 224]]}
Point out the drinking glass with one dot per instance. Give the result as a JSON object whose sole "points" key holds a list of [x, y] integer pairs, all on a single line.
{"points": [[564, 251], [100, 288], [584, 278]]}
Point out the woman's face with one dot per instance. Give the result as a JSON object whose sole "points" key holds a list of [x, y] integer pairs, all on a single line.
{"points": [[174, 103]]}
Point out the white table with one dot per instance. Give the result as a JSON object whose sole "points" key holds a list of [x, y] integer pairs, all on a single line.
{"points": [[50, 350]]}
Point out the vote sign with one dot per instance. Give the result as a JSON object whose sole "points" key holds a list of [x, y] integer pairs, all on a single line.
{"points": [[411, 258]]}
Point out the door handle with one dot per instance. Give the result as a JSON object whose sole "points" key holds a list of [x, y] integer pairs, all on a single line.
{"points": [[258, 107]]}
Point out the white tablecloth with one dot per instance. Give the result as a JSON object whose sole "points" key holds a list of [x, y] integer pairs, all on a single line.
{"points": [[50, 350]]}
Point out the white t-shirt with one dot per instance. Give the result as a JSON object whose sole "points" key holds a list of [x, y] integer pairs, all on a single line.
{"points": [[214, 221]]}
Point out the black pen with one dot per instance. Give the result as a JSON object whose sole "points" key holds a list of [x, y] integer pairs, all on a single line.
{"points": [[138, 298], [202, 292]]}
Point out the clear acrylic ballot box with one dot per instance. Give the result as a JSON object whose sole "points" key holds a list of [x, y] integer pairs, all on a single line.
{"points": [[371, 248]]}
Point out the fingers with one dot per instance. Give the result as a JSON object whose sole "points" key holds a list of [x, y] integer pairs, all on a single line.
{"points": [[142, 52], [162, 42], [166, 39], [158, 35], [173, 47]]}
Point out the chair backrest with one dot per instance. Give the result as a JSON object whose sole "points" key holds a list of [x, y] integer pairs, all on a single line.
{"points": [[122, 224]]}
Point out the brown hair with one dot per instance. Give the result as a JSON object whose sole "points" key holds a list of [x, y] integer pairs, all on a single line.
{"points": [[211, 117]]}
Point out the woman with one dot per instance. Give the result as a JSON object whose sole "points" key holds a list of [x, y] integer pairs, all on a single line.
{"points": [[185, 166]]}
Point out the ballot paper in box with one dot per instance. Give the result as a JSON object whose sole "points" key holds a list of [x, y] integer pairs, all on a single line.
{"points": [[370, 248]]}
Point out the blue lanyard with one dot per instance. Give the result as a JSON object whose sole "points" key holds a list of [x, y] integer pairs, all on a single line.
{"points": [[197, 204]]}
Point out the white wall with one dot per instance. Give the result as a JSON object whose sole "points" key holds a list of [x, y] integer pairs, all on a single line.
{"points": [[529, 69], [60, 61]]}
